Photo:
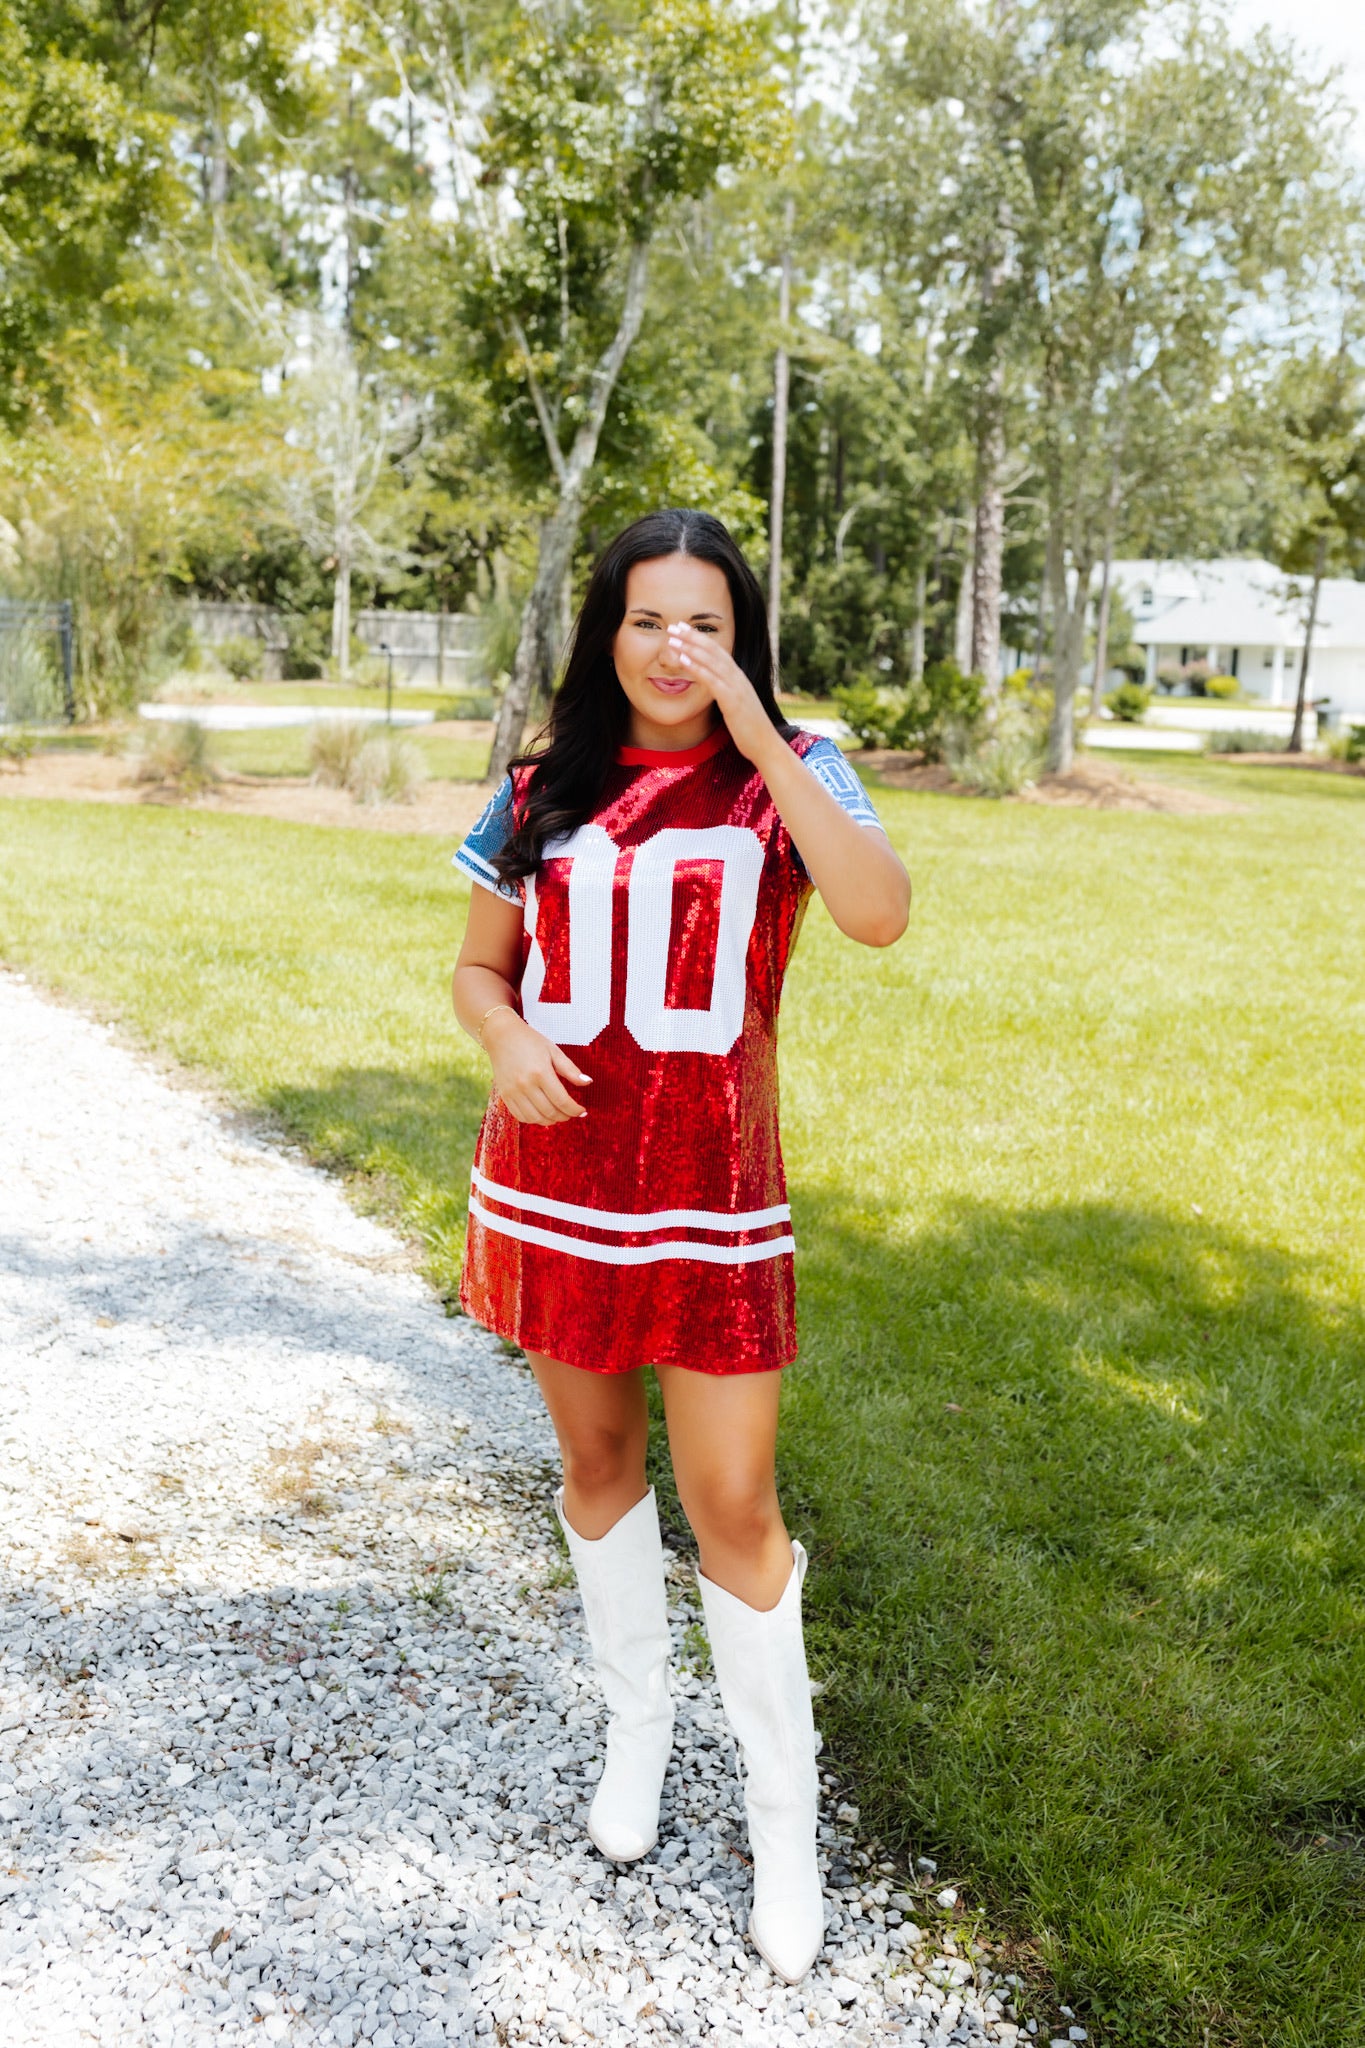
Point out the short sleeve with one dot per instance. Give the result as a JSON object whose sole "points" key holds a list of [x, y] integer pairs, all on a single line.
{"points": [[489, 836], [829, 767]]}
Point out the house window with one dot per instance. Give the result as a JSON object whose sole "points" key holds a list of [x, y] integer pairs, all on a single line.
{"points": [[1147, 598], [1232, 665], [1268, 658]]}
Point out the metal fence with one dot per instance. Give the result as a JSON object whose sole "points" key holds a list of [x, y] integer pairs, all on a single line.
{"points": [[31, 636]]}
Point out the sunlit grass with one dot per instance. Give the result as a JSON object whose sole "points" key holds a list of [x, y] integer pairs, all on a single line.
{"points": [[1076, 1439]]}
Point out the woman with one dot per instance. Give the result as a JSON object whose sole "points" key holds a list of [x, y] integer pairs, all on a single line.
{"points": [[643, 874]]}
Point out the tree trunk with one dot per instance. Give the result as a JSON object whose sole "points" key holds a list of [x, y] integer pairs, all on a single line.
{"points": [[781, 395], [962, 620], [1300, 702], [1068, 654], [533, 669], [1102, 631], [917, 630], [989, 549], [341, 607]]}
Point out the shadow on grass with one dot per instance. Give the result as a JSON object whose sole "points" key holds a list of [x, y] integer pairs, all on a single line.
{"points": [[1083, 1490], [409, 1134]]}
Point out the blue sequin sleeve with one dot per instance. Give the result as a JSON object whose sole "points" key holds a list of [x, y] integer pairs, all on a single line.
{"points": [[828, 766], [488, 837]]}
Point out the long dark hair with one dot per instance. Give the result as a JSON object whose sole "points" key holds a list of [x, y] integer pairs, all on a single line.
{"points": [[589, 719]]}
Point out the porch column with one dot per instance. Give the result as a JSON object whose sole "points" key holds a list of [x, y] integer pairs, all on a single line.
{"points": [[1151, 664], [1277, 677]]}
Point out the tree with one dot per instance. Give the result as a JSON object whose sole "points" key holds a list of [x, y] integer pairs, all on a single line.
{"points": [[85, 174], [575, 135], [1324, 461]]}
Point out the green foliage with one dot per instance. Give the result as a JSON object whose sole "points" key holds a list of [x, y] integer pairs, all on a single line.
{"points": [[1355, 744], [603, 122], [1225, 687], [334, 746], [243, 656], [389, 769], [16, 745], [175, 755], [1243, 740], [869, 713], [376, 765], [308, 637], [1000, 756], [30, 681], [921, 717], [85, 175], [1129, 702]]}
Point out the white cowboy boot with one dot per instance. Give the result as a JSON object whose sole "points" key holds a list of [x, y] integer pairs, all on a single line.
{"points": [[760, 1662], [621, 1579]]}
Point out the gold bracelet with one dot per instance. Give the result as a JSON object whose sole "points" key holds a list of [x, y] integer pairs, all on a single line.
{"points": [[487, 1014]]}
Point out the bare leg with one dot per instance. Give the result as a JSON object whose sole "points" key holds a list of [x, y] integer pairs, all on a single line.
{"points": [[602, 1422], [723, 1432]]}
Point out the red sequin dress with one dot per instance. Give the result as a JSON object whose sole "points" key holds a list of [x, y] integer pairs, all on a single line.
{"points": [[655, 1230]]}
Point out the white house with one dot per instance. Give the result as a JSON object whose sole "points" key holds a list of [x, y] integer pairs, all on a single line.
{"points": [[1246, 618]]}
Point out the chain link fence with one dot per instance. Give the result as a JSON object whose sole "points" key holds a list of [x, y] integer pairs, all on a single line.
{"points": [[37, 663]]}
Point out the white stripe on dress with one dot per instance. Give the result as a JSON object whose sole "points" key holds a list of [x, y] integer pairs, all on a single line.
{"points": [[633, 1254], [626, 1219]]}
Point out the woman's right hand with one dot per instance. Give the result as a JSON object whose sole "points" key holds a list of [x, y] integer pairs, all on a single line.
{"points": [[529, 1071]]}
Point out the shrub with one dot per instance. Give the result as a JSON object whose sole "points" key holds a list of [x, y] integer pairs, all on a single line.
{"points": [[1222, 686], [1131, 658], [16, 745], [243, 656], [334, 746], [1169, 676], [1348, 746], [999, 759], [1243, 740], [174, 754], [1195, 675], [918, 718], [388, 770], [1129, 702], [308, 642], [867, 711], [944, 701]]}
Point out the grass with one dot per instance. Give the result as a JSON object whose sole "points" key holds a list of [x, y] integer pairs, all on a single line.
{"points": [[224, 689], [1076, 1436]]}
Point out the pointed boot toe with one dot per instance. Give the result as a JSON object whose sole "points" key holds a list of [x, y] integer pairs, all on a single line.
{"points": [[789, 1932], [623, 1820]]}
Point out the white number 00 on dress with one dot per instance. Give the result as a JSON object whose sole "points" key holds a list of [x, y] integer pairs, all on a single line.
{"points": [[593, 854]]}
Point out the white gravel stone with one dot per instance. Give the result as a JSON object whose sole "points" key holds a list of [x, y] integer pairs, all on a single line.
{"points": [[297, 1733]]}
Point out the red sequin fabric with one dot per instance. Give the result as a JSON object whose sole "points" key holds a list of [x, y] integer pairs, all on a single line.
{"points": [[656, 1230]]}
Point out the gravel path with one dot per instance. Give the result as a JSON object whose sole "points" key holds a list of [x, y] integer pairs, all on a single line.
{"points": [[296, 1734]]}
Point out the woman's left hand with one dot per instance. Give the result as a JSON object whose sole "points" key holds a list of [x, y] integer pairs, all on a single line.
{"points": [[701, 655]]}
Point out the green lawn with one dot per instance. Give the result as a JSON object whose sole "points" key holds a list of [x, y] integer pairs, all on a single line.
{"points": [[284, 751], [451, 702], [1076, 1439]]}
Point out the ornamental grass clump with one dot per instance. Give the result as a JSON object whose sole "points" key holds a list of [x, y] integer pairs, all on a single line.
{"points": [[1001, 758], [334, 746], [388, 770], [173, 755]]}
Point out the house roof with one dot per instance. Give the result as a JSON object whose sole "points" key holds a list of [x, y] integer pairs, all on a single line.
{"points": [[1236, 603]]}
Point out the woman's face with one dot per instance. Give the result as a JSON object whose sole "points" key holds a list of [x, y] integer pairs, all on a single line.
{"points": [[669, 708]]}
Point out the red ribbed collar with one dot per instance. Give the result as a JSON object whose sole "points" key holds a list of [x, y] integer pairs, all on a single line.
{"points": [[678, 757]]}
